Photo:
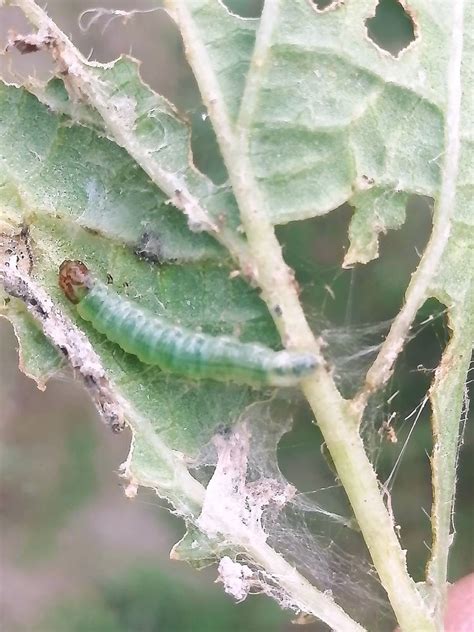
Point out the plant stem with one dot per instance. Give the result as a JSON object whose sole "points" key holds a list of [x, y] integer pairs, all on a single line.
{"points": [[170, 477], [306, 597], [276, 280], [446, 396]]}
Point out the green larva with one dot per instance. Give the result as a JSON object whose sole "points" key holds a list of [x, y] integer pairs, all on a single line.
{"points": [[176, 349]]}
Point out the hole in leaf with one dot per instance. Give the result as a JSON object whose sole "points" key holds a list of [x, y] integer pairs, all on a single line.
{"points": [[206, 155], [400, 253], [402, 464], [352, 309], [391, 28], [322, 5], [422, 353], [303, 463], [245, 8], [314, 248]]}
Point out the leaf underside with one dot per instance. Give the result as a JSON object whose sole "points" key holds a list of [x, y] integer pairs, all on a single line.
{"points": [[337, 120]]}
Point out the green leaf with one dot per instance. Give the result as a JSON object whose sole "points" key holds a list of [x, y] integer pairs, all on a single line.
{"points": [[336, 119], [148, 127], [229, 40], [47, 169], [453, 284], [309, 114], [84, 198], [37, 358], [379, 209]]}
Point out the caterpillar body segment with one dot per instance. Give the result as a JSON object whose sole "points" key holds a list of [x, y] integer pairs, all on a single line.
{"points": [[176, 349]]}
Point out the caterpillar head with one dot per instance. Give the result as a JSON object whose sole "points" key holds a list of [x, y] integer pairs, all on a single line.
{"points": [[290, 367], [74, 280]]}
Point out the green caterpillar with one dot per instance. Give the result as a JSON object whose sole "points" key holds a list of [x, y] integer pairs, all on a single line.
{"points": [[175, 349]]}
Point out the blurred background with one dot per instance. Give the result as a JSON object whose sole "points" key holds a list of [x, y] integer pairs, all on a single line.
{"points": [[76, 554]]}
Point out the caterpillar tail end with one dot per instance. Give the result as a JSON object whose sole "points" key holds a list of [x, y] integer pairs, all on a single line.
{"points": [[74, 280], [290, 368]]}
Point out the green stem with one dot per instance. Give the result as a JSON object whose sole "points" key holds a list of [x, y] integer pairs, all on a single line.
{"points": [[303, 594], [276, 280], [162, 469], [447, 396]]}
